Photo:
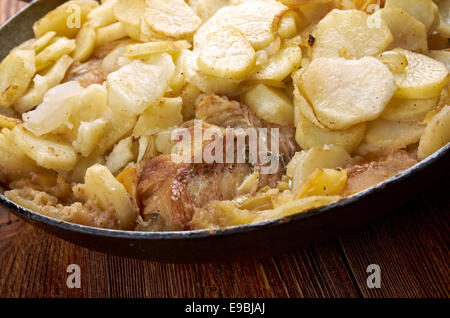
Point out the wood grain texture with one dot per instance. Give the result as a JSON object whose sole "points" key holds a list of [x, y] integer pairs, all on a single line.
{"points": [[411, 247]]}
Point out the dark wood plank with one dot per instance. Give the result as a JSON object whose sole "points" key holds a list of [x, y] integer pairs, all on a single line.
{"points": [[411, 248]]}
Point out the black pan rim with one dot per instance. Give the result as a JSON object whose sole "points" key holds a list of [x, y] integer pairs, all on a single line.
{"points": [[27, 214]]}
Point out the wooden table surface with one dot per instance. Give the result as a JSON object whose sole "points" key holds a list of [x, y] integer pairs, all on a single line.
{"points": [[411, 247]]}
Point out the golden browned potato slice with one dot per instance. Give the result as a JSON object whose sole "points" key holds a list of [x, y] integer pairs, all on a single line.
{"points": [[436, 135], [9, 122], [384, 135], [164, 114], [309, 135], [110, 33], [137, 85], [270, 104], [409, 33], [53, 52], [172, 18], [426, 11], [409, 110], [89, 135], [121, 155], [227, 54], [344, 93], [144, 50], [353, 31], [323, 182], [442, 56], [85, 42], [46, 152], [422, 78], [65, 20], [101, 186], [16, 72], [130, 13]]}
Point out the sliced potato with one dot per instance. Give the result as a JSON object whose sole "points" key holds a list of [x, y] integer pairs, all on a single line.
{"points": [[164, 114], [442, 56], [110, 33], [9, 122], [47, 153], [121, 155], [353, 31], [384, 135], [130, 13], [103, 188], [205, 83], [85, 42], [102, 15], [318, 158], [436, 135], [205, 9], [173, 18], [308, 135], [189, 94], [422, 78], [14, 164], [426, 11], [270, 104], [144, 50], [303, 108], [53, 52], [409, 33], [226, 54], [135, 86], [65, 20], [409, 110], [323, 182], [280, 65], [16, 72], [344, 93], [88, 136], [42, 42], [444, 14], [254, 19]]}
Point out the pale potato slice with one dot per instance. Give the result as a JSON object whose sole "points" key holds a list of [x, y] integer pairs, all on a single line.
{"points": [[121, 155], [384, 135], [422, 78], [9, 122], [308, 136], [226, 54], [173, 18], [15, 164], [46, 152], [280, 65], [189, 94], [205, 9], [253, 18], [16, 72], [135, 86], [42, 84], [112, 61], [164, 114], [353, 31], [436, 135], [110, 33], [106, 191], [65, 20], [409, 110], [344, 93], [442, 56], [144, 50], [444, 14], [205, 83], [53, 52], [331, 157], [409, 33], [85, 42], [130, 13], [88, 136], [323, 182], [270, 104], [303, 108], [55, 110], [102, 15], [426, 11], [42, 42]]}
